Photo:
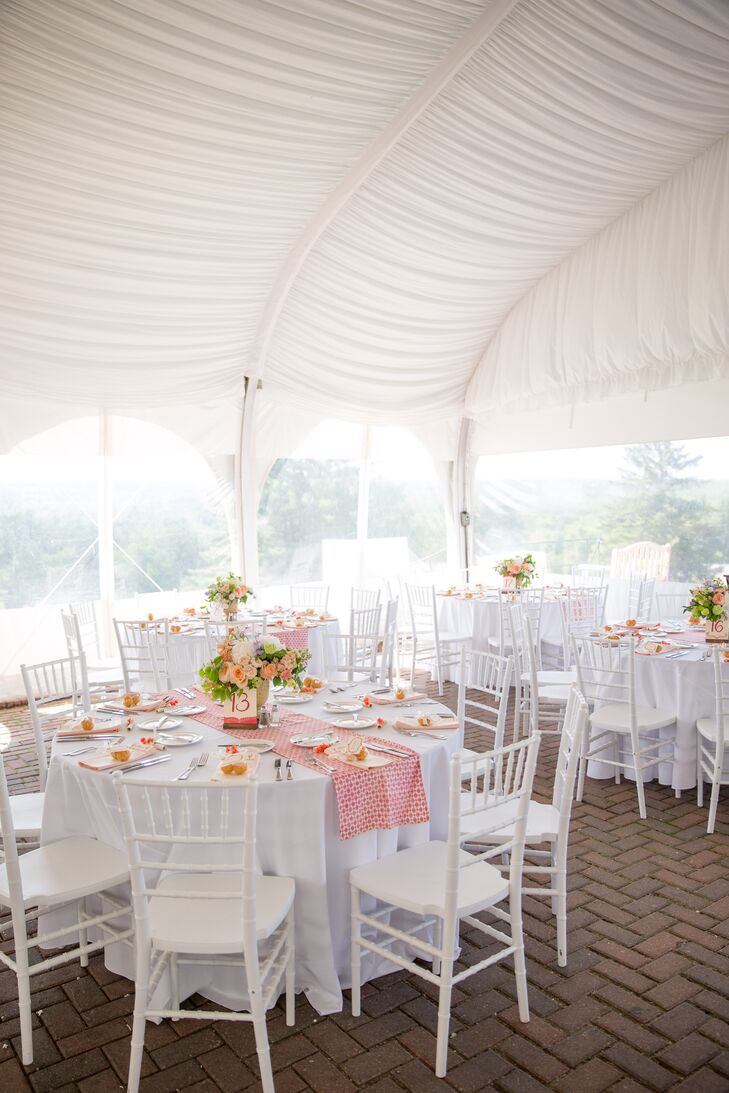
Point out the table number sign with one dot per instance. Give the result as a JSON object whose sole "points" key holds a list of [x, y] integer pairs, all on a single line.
{"points": [[239, 709]]}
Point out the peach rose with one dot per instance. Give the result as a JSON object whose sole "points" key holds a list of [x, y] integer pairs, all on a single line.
{"points": [[237, 675], [224, 673], [268, 671], [718, 597]]}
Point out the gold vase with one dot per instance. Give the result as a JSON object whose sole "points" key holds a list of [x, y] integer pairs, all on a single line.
{"points": [[262, 696]]}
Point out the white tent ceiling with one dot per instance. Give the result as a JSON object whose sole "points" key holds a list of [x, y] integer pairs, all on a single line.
{"points": [[371, 205]]}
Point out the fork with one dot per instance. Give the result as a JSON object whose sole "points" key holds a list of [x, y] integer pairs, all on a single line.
{"points": [[202, 759], [417, 732], [186, 773], [322, 766], [80, 751]]}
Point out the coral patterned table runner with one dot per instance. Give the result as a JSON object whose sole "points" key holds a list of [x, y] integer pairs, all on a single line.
{"points": [[367, 800]]}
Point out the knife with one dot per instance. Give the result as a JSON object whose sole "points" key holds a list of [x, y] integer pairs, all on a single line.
{"points": [[141, 763], [390, 751]]}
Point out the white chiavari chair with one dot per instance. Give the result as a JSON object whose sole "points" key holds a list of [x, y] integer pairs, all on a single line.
{"points": [[548, 823], [61, 874], [640, 597], [350, 656], [711, 742], [484, 680], [531, 601], [587, 574], [581, 610], [365, 621], [620, 733], [101, 679], [670, 606], [194, 907], [89, 639], [363, 599], [304, 597], [389, 659], [50, 687], [430, 644], [443, 885], [144, 651], [541, 693]]}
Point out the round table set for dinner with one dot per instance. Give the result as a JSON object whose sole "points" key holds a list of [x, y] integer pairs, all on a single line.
{"points": [[187, 646], [321, 809], [477, 613]]}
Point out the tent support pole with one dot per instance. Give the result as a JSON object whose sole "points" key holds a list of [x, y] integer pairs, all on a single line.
{"points": [[462, 495], [246, 493], [107, 589], [363, 505]]}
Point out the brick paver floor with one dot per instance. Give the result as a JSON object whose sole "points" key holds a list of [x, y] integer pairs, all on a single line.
{"points": [[642, 1004]]}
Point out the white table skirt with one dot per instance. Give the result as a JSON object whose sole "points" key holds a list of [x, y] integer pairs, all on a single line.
{"points": [[298, 836], [188, 653], [685, 685]]}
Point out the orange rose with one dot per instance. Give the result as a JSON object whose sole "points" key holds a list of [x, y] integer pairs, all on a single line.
{"points": [[237, 675]]}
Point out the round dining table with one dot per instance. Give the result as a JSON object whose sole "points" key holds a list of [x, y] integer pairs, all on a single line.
{"points": [[478, 616], [298, 836], [187, 650]]}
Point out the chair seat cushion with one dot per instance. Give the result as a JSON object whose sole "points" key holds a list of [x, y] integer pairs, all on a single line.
{"points": [[542, 822], [67, 870], [196, 925], [616, 717], [27, 813], [414, 879]]}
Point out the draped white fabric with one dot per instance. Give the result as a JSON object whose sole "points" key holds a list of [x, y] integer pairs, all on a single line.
{"points": [[642, 306], [162, 159]]}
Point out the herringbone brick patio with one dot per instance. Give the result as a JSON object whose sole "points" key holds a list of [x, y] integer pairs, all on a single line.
{"points": [[642, 1004]]}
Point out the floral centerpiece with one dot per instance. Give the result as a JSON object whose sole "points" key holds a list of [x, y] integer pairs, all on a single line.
{"points": [[229, 592], [242, 672], [517, 572], [708, 604]]}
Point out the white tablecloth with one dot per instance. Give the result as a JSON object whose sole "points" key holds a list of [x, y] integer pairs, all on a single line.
{"points": [[685, 685], [298, 836], [188, 653]]}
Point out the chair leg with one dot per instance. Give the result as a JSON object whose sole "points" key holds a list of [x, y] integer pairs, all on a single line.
{"points": [[699, 777], [83, 956], [581, 778], [439, 668], [438, 943], [444, 1013], [291, 973], [522, 990], [639, 785], [24, 1007], [713, 803], [174, 985], [356, 991], [140, 1019], [262, 1047]]}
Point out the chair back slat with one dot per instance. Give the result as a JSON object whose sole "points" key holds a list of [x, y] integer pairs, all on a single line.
{"points": [[50, 682], [350, 656], [305, 596], [489, 675], [144, 652], [364, 599]]}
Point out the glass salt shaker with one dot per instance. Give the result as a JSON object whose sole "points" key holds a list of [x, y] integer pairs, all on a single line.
{"points": [[275, 716]]}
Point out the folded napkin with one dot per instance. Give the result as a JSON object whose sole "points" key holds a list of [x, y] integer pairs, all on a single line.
{"points": [[109, 725], [105, 761], [445, 722], [390, 700]]}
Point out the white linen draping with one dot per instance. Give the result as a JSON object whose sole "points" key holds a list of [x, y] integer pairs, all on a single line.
{"points": [[641, 306], [161, 160]]}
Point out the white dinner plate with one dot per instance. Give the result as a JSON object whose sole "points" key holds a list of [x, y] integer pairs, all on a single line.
{"points": [[356, 723], [179, 739], [293, 700], [312, 740], [342, 707], [153, 723], [258, 745]]}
